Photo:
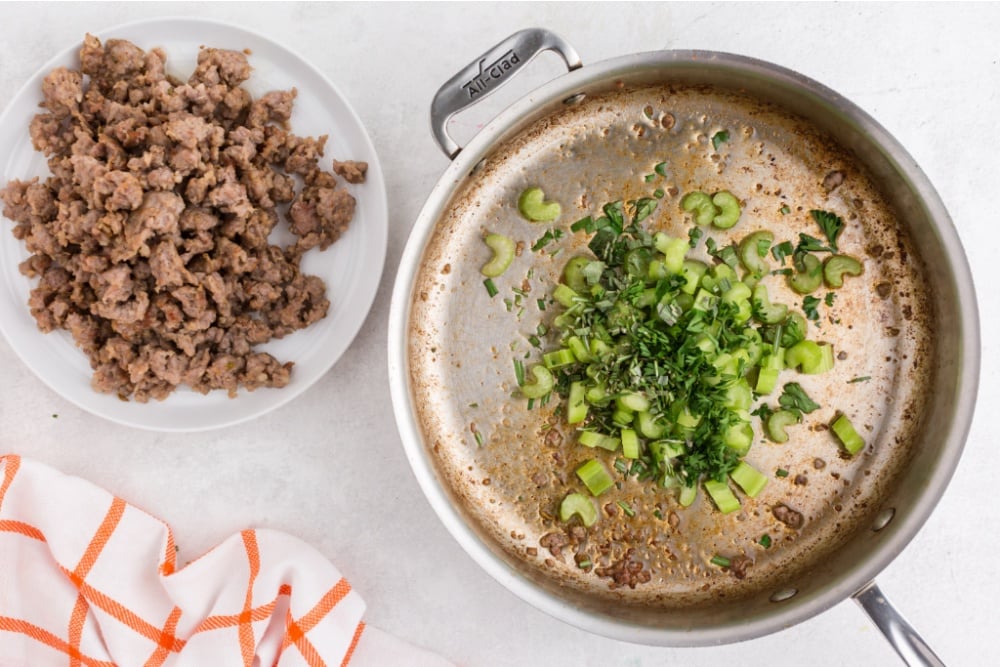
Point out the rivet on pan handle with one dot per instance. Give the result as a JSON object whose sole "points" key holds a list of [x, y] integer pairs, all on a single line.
{"points": [[908, 644], [490, 71]]}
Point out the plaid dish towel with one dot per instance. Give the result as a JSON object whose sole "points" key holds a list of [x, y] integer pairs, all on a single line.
{"points": [[88, 580]]}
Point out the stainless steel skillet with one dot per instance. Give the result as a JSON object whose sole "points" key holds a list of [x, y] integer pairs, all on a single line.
{"points": [[910, 324]]}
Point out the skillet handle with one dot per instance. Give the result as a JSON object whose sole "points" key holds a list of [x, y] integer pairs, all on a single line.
{"points": [[490, 71], [908, 644]]}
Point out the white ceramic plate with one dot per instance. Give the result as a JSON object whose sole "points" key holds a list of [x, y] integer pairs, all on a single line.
{"points": [[351, 267]]}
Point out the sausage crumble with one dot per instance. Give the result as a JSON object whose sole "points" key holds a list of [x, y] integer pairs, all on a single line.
{"points": [[150, 238]]}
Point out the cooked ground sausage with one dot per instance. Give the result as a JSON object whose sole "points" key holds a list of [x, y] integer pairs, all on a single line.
{"points": [[150, 237]]}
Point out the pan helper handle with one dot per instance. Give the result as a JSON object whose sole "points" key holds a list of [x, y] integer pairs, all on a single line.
{"points": [[490, 71], [908, 644]]}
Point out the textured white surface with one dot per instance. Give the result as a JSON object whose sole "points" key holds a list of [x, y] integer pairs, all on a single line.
{"points": [[929, 73]]}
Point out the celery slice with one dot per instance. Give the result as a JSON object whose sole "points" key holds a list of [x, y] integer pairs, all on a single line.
{"points": [[579, 505], [835, 267], [750, 252], [729, 209], [503, 254], [558, 358], [847, 434], [595, 477], [576, 409], [630, 443], [542, 385], [722, 496], [687, 495], [751, 480], [777, 423], [533, 206], [806, 282], [701, 205]]}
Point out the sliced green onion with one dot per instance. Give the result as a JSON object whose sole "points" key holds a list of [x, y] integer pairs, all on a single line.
{"points": [[721, 561], [491, 289], [626, 508]]}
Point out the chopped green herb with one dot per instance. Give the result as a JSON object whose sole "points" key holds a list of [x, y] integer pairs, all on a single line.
{"points": [[519, 372], [765, 541], [650, 178], [785, 210], [659, 193], [809, 305], [863, 378], [584, 563], [626, 508], [694, 234], [781, 472], [548, 237], [658, 514], [535, 341], [479, 438], [473, 405], [795, 398], [719, 138], [830, 223], [583, 225], [491, 289], [721, 561], [621, 466], [828, 299], [643, 208], [782, 250], [661, 168], [541, 304]]}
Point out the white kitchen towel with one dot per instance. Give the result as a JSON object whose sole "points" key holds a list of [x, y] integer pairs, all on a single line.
{"points": [[87, 579]]}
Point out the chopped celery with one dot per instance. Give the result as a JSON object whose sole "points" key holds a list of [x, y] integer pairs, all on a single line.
{"points": [[503, 254], [836, 266], [722, 496], [729, 209], [630, 443], [579, 505], [692, 271], [811, 358], [565, 295], [764, 310], [673, 249], [633, 402], [751, 255], [701, 205], [806, 282], [751, 480], [573, 273], [778, 421], [847, 434], [533, 206], [687, 495], [557, 358], [595, 477], [543, 384], [648, 425], [576, 406], [738, 437], [579, 349], [594, 439]]}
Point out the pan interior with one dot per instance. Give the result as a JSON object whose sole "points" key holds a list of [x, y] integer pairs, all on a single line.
{"points": [[507, 468]]}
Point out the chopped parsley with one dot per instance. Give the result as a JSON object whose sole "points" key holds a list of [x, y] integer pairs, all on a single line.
{"points": [[719, 138], [831, 225], [809, 307], [547, 238]]}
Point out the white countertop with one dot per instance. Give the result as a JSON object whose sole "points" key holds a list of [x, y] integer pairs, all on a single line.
{"points": [[329, 467]]}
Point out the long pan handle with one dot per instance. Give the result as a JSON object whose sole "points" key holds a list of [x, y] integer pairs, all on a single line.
{"points": [[490, 71], [908, 644]]}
